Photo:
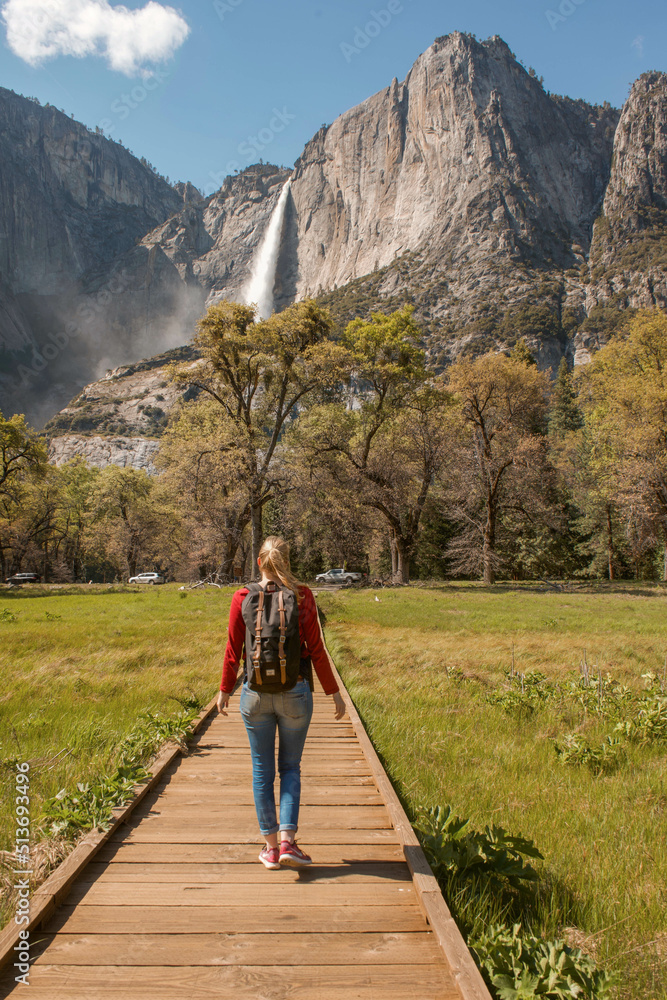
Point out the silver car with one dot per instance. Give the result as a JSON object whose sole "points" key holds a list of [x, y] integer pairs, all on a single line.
{"points": [[342, 576], [151, 578]]}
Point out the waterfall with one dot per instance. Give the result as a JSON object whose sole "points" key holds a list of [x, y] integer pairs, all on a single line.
{"points": [[262, 279]]}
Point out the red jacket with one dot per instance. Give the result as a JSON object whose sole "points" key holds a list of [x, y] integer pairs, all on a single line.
{"points": [[309, 632]]}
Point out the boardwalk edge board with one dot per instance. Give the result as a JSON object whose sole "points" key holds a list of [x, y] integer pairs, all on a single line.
{"points": [[49, 894], [445, 929]]}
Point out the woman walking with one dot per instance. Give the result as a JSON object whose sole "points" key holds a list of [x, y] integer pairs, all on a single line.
{"points": [[274, 626]]}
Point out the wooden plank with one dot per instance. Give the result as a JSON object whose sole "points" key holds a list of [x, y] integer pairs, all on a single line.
{"points": [[242, 783], [177, 854], [394, 918], [248, 835], [239, 949], [201, 794], [323, 766], [314, 748], [261, 896], [216, 780], [55, 888], [357, 982], [465, 972], [161, 872], [334, 797], [219, 814]]}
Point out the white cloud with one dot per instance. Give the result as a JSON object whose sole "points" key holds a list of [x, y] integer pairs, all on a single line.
{"points": [[130, 40], [638, 45]]}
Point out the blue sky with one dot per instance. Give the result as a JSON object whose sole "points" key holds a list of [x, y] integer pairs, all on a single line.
{"points": [[269, 74]]}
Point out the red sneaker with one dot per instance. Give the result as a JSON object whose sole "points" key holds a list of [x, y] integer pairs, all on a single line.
{"points": [[292, 855], [269, 857]]}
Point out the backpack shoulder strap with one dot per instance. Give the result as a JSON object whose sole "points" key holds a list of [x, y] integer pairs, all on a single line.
{"points": [[281, 641], [258, 636]]}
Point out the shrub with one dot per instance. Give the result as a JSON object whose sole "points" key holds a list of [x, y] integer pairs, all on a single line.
{"points": [[603, 759], [491, 854], [521, 966], [90, 806], [648, 726]]}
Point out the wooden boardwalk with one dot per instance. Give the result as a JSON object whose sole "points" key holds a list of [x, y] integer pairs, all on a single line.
{"points": [[175, 904]]}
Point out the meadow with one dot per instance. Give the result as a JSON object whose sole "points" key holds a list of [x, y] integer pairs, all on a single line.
{"points": [[429, 671], [445, 680], [79, 666]]}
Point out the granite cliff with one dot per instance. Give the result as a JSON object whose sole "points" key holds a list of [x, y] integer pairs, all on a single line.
{"points": [[71, 201], [498, 209], [629, 252], [119, 418], [464, 186]]}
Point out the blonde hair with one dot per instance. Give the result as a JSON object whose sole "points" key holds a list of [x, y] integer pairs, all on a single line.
{"points": [[274, 561]]}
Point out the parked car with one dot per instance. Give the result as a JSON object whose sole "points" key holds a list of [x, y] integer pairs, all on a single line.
{"points": [[147, 578], [342, 576], [24, 578]]}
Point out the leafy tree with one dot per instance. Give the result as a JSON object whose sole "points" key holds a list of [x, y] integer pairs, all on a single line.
{"points": [[501, 455], [132, 522], [23, 464], [261, 374], [585, 460], [21, 449], [384, 453], [27, 517], [200, 458], [75, 483], [623, 394]]}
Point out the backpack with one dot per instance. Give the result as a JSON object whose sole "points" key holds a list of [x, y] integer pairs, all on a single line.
{"points": [[273, 643]]}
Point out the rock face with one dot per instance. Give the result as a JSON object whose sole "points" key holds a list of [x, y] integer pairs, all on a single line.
{"points": [[464, 184], [466, 189], [454, 180], [71, 201], [205, 250], [127, 452], [465, 161], [629, 252], [119, 419]]}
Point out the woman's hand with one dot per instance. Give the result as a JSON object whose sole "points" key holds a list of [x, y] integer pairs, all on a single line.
{"points": [[339, 705], [222, 702]]}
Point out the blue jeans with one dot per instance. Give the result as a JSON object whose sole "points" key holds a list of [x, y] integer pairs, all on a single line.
{"points": [[291, 712]]}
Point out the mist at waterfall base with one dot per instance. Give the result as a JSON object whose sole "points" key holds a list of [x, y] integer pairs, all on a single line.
{"points": [[259, 289]]}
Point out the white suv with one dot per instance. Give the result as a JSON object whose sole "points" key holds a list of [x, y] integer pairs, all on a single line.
{"points": [[147, 578]]}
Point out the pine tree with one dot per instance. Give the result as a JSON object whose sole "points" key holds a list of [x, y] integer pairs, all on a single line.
{"points": [[565, 414], [521, 352]]}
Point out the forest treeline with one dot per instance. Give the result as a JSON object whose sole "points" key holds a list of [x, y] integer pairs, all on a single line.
{"points": [[358, 453]]}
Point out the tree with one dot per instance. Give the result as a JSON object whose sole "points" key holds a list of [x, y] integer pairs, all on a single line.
{"points": [[385, 452], [564, 412], [23, 465], [261, 375], [584, 458], [27, 516], [75, 483], [200, 457], [132, 522], [623, 394], [21, 450], [501, 456]]}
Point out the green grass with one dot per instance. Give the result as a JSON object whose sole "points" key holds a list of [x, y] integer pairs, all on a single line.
{"points": [[420, 664], [80, 664]]}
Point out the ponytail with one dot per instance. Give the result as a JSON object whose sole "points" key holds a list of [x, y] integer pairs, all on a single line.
{"points": [[274, 561]]}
